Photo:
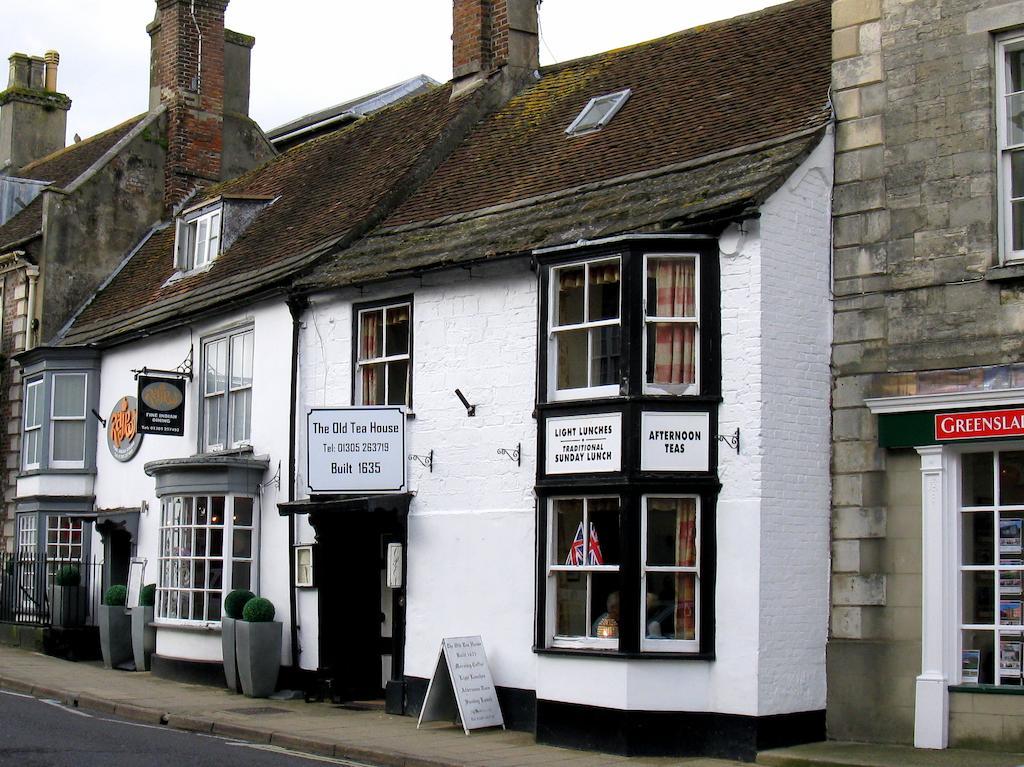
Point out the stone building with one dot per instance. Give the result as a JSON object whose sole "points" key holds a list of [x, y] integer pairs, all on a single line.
{"points": [[928, 336], [69, 215]]}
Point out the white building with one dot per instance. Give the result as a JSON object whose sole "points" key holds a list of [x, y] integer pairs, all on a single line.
{"points": [[599, 297]]}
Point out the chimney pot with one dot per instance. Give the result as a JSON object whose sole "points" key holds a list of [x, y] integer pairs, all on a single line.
{"points": [[51, 59]]}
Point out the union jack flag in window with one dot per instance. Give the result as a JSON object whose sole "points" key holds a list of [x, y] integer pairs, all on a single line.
{"points": [[592, 546]]}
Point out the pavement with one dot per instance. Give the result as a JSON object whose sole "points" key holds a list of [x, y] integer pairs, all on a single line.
{"points": [[376, 738]]}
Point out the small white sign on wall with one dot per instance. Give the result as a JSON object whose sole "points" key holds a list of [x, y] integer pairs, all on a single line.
{"points": [[674, 441], [581, 444], [356, 450]]}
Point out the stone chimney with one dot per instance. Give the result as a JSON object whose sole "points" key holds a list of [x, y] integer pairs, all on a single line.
{"points": [[488, 35], [187, 76], [33, 115]]}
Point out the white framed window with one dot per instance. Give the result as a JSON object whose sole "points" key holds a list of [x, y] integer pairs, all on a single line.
{"points": [[670, 573], [33, 424], [384, 360], [28, 531], [67, 420], [227, 390], [671, 326], [598, 112], [197, 240], [583, 571], [585, 329], [1010, 133], [207, 549], [65, 539], [304, 566], [991, 567]]}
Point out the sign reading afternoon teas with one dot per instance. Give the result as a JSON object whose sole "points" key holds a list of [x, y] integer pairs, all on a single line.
{"points": [[674, 441], [580, 444], [356, 450]]}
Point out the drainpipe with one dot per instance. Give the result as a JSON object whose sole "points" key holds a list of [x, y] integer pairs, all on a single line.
{"points": [[32, 272], [296, 306]]}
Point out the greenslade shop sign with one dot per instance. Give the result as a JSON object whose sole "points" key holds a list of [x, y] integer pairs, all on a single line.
{"points": [[933, 428]]}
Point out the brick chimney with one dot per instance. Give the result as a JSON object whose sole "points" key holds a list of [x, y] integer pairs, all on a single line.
{"points": [[488, 35], [187, 76], [33, 115]]}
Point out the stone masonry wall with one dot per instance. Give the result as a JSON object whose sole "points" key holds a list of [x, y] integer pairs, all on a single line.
{"points": [[916, 288]]}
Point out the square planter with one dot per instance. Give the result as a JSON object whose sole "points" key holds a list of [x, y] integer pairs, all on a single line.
{"points": [[115, 635], [227, 645], [143, 636], [68, 606], [258, 650]]}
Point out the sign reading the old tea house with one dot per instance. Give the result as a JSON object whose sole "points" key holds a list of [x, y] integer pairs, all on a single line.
{"points": [[356, 450]]}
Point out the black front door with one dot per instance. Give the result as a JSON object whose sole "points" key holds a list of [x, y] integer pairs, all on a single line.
{"points": [[355, 644]]}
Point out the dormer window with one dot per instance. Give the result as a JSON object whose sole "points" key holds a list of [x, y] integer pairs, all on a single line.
{"points": [[198, 238], [598, 113]]}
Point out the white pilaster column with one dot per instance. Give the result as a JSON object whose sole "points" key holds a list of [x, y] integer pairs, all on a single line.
{"points": [[931, 709]]}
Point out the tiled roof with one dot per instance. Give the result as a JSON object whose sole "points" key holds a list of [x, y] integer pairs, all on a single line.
{"points": [[685, 199], [60, 168], [324, 190], [701, 91]]}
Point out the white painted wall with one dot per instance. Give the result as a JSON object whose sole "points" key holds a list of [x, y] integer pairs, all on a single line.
{"points": [[797, 333], [471, 524], [471, 558], [126, 484]]}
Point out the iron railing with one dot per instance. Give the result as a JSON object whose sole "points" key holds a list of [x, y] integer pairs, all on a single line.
{"points": [[31, 592]]}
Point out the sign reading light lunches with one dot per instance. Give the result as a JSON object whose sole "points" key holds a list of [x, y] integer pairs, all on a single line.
{"points": [[582, 444], [123, 437], [163, 406], [674, 442], [355, 450]]}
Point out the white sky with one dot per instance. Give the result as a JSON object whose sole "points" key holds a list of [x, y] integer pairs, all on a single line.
{"points": [[310, 54]]}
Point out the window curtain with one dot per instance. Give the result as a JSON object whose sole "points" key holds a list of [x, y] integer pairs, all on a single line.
{"points": [[674, 347], [370, 348], [686, 553]]}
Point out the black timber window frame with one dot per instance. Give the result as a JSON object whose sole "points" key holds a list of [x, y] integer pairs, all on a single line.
{"points": [[633, 486], [383, 305]]}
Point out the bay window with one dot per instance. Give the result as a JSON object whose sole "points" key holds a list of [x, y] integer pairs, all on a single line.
{"points": [[227, 390], [67, 420], [671, 571], [583, 571], [671, 325], [585, 327], [33, 424], [207, 549], [383, 361], [1010, 133]]}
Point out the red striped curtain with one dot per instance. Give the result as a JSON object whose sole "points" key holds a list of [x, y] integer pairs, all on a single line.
{"points": [[686, 555], [675, 352]]}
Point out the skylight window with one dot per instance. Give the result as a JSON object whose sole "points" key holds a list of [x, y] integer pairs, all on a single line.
{"points": [[598, 113]]}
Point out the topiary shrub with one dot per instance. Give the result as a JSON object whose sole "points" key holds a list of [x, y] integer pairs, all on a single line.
{"points": [[258, 610], [116, 596], [147, 596], [236, 601], [69, 575]]}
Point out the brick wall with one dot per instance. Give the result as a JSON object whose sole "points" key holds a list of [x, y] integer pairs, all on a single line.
{"points": [[189, 69]]}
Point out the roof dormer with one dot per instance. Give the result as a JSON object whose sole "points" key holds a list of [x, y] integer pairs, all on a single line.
{"points": [[206, 230]]}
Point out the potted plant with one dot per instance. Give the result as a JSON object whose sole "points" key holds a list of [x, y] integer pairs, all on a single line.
{"points": [[68, 597], [258, 648], [233, 605], [143, 632], [115, 628]]}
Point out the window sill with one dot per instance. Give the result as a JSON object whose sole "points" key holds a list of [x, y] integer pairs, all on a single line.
{"points": [[1003, 272], [987, 689], [39, 472], [202, 628], [186, 273], [620, 655]]}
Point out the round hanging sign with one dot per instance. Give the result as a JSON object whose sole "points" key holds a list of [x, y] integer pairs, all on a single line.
{"points": [[123, 437]]}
